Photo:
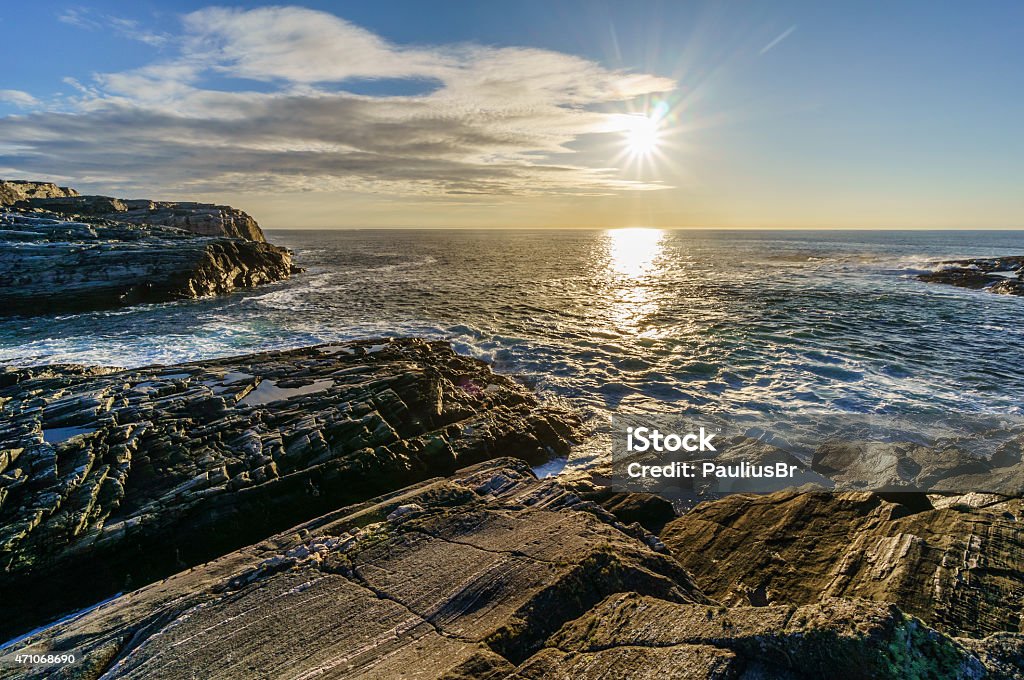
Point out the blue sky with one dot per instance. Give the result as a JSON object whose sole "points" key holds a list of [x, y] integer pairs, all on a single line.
{"points": [[778, 114]]}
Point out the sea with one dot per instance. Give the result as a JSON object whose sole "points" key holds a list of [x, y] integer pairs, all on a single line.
{"points": [[623, 320]]}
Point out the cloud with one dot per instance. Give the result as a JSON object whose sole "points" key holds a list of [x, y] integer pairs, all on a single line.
{"points": [[18, 98], [493, 121], [126, 28], [301, 45]]}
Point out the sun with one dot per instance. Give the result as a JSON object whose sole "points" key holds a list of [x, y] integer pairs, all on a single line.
{"points": [[642, 135]]}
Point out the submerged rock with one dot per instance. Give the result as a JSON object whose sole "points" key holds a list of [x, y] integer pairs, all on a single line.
{"points": [[129, 476], [50, 265], [956, 564]]}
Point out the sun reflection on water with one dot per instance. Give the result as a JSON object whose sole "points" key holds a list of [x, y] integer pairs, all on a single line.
{"points": [[633, 251], [634, 265]]}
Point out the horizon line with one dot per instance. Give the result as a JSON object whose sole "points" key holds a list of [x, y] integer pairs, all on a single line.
{"points": [[675, 228]]}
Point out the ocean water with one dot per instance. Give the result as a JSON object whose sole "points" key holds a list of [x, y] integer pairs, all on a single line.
{"points": [[636, 320]]}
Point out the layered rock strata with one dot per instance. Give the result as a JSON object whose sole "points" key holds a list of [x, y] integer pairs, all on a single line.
{"points": [[488, 574], [956, 563], [634, 636], [205, 219], [110, 479]]}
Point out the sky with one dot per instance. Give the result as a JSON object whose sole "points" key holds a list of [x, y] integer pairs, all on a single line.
{"points": [[780, 114]]}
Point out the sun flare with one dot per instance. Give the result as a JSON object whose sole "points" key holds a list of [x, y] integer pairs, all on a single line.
{"points": [[642, 135]]}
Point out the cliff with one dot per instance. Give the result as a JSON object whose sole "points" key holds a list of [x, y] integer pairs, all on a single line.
{"points": [[50, 265], [205, 219]]}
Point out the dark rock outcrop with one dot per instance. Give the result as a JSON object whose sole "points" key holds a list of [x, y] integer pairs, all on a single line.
{"points": [[1004, 275], [112, 479], [489, 574], [49, 265], [15, 190], [953, 562]]}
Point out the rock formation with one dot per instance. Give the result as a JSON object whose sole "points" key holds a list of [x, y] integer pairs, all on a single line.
{"points": [[949, 468], [635, 636], [49, 265], [15, 190], [130, 476], [1004, 275], [489, 574], [205, 219], [953, 562]]}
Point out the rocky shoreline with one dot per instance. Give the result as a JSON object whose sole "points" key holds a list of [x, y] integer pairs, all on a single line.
{"points": [[132, 475], [60, 251], [310, 512]]}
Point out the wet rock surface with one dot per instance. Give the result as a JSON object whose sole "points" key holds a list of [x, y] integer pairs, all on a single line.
{"points": [[1004, 275], [487, 574], [49, 264], [110, 479], [954, 562]]}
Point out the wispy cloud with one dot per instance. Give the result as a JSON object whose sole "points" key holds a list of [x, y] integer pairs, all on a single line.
{"points": [[494, 121], [126, 28], [18, 98], [782, 36]]}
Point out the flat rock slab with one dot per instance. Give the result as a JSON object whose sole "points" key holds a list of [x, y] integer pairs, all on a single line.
{"points": [[953, 562], [462, 577], [129, 476]]}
